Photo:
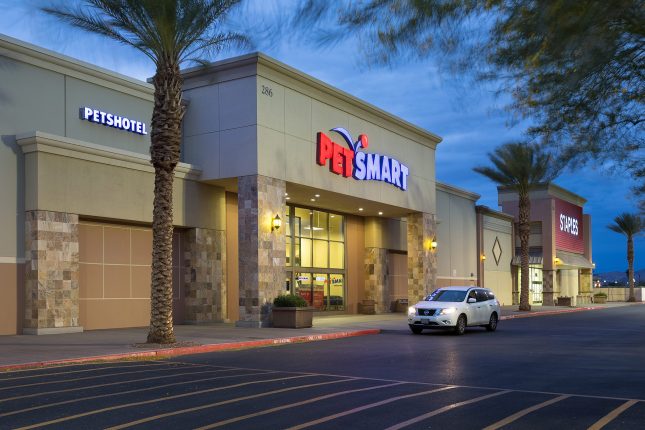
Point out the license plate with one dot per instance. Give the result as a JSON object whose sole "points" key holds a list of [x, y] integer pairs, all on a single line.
{"points": [[425, 321]]}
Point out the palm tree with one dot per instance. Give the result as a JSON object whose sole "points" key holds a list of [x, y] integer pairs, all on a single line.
{"points": [[520, 166], [629, 225], [170, 33]]}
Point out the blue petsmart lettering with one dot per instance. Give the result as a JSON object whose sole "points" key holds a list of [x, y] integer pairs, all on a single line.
{"points": [[112, 120]]}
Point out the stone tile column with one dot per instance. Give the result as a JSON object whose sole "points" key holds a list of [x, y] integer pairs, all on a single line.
{"points": [[377, 287], [52, 273], [204, 256], [262, 252], [548, 283], [422, 260]]}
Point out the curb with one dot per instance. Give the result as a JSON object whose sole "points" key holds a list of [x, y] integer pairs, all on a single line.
{"points": [[188, 350], [531, 314]]}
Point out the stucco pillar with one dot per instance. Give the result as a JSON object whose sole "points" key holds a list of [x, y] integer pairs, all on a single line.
{"points": [[262, 252], [422, 260], [548, 284], [52, 273], [376, 280], [204, 262]]}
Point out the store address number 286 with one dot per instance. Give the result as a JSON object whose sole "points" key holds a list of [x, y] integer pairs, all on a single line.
{"points": [[267, 91]]}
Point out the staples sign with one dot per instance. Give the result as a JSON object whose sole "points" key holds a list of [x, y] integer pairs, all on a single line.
{"points": [[568, 227], [362, 166]]}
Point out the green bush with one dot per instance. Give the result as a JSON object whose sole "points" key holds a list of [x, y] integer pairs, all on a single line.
{"points": [[601, 294], [290, 301]]}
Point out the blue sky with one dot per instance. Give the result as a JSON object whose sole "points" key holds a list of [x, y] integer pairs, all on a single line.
{"points": [[470, 120]]}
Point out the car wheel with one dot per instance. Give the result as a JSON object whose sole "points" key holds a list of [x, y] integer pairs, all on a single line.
{"points": [[460, 327], [492, 322], [416, 330]]}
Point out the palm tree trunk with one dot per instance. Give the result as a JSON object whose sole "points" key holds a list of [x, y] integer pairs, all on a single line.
{"points": [[164, 151], [525, 230], [630, 268]]}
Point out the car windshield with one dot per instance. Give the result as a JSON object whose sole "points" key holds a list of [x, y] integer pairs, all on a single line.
{"points": [[446, 296]]}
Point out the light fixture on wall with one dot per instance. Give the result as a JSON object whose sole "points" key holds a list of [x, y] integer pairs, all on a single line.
{"points": [[557, 261], [276, 223], [483, 257], [433, 244]]}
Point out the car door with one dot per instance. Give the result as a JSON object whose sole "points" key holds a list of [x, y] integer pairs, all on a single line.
{"points": [[481, 307], [472, 308]]}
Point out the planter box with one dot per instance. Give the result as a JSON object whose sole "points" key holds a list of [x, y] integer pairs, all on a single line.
{"points": [[564, 301], [292, 317], [367, 307], [600, 299]]}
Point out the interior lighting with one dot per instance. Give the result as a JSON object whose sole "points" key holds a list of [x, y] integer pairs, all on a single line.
{"points": [[313, 200], [380, 213], [317, 195], [360, 209]]}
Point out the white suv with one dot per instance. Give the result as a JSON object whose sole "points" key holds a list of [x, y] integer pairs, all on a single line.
{"points": [[455, 308]]}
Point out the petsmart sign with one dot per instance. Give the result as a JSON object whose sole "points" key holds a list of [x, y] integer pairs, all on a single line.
{"points": [[362, 166], [112, 120]]}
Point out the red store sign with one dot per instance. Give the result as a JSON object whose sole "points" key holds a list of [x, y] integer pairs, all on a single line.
{"points": [[568, 227]]}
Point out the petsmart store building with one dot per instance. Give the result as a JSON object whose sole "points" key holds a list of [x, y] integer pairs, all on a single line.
{"points": [[286, 185]]}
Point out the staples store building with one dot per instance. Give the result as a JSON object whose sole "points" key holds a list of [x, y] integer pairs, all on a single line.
{"points": [[352, 186]]}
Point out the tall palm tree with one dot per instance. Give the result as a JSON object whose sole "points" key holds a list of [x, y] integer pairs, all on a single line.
{"points": [[629, 225], [170, 33], [521, 166]]}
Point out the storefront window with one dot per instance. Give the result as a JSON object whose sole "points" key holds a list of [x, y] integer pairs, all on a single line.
{"points": [[316, 254]]}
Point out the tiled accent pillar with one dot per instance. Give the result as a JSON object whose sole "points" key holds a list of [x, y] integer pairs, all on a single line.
{"points": [[262, 252], [204, 275], [376, 285], [548, 282], [422, 261], [52, 273]]}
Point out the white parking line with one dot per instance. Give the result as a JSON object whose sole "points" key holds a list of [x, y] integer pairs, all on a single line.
{"points": [[444, 409], [516, 416]]}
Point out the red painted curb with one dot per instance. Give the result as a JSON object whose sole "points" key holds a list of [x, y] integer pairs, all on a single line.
{"points": [[201, 349]]}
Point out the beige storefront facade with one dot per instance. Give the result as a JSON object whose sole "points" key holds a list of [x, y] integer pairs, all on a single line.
{"points": [[362, 216]]}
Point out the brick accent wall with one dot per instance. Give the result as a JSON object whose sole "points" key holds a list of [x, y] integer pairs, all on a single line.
{"points": [[52, 272], [204, 275], [377, 287], [422, 261], [262, 252]]}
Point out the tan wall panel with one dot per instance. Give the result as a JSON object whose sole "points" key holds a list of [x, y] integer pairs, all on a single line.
{"points": [[87, 188], [386, 233], [232, 268], [398, 275], [91, 281], [91, 236], [501, 284], [11, 293], [142, 247], [116, 245], [355, 237], [141, 279], [102, 314], [116, 282]]}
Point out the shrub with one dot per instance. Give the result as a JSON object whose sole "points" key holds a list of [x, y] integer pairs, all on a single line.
{"points": [[290, 301], [600, 294]]}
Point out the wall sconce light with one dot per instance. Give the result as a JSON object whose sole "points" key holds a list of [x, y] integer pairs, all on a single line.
{"points": [[433, 244], [483, 257], [557, 261], [276, 223]]}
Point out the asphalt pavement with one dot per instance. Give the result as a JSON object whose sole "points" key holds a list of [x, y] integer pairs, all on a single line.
{"points": [[578, 370]]}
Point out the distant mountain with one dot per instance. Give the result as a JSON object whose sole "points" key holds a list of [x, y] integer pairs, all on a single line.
{"points": [[620, 277]]}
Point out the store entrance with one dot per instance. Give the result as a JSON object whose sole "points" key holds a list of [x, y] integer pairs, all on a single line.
{"points": [[315, 242]]}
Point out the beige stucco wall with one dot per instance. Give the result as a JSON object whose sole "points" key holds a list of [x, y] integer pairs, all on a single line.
{"points": [[65, 175], [456, 237], [386, 233], [233, 128], [497, 274]]}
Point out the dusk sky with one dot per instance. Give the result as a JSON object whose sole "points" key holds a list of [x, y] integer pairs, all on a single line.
{"points": [[470, 120]]}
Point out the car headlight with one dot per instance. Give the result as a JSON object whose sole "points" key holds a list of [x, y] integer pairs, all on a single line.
{"points": [[412, 310], [447, 311]]}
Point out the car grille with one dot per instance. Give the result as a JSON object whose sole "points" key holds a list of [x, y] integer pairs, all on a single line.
{"points": [[426, 312]]}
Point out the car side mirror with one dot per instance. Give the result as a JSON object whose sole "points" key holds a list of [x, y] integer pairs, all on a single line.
{"points": [[472, 300]]}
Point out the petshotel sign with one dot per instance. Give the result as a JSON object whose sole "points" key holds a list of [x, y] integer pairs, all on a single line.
{"points": [[360, 165], [112, 120]]}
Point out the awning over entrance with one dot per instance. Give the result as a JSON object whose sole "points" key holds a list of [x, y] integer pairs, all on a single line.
{"points": [[573, 260], [533, 260]]}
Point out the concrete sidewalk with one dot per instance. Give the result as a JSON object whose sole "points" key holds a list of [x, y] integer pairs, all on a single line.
{"points": [[30, 351]]}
